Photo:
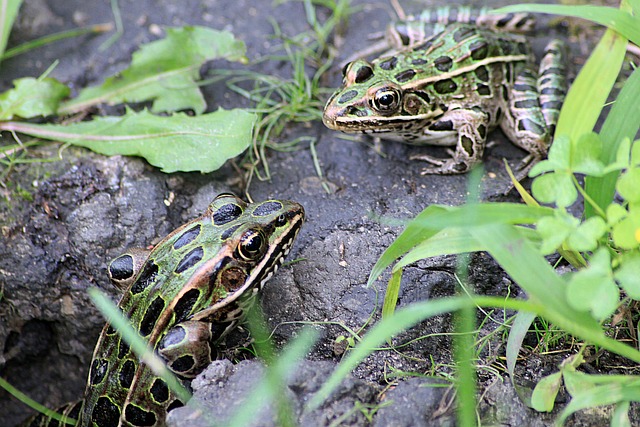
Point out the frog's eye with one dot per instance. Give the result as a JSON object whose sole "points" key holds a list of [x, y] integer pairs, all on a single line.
{"points": [[386, 100], [345, 69], [252, 245]]}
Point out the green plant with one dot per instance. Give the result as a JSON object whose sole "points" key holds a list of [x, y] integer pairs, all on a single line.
{"points": [[603, 246]]}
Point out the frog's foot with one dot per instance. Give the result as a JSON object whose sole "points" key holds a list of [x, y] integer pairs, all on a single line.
{"points": [[448, 166]]}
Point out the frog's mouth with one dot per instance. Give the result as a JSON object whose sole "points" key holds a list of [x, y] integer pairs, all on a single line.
{"points": [[354, 120]]}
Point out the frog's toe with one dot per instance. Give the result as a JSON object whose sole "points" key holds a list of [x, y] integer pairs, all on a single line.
{"points": [[426, 158]]}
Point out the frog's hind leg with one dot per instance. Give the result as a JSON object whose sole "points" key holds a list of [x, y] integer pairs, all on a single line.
{"points": [[552, 82]]}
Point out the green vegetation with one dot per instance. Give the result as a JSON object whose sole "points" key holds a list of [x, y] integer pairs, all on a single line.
{"points": [[602, 246]]}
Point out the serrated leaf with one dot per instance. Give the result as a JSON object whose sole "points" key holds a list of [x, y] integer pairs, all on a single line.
{"points": [[174, 143], [586, 236], [628, 186], [31, 98], [555, 188], [544, 395], [593, 288], [158, 73], [628, 275]]}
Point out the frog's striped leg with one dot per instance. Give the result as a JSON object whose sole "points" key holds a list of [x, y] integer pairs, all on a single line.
{"points": [[471, 126], [552, 82], [534, 103]]}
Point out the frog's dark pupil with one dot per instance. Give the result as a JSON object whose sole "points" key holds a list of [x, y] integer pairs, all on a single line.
{"points": [[386, 99], [253, 244]]}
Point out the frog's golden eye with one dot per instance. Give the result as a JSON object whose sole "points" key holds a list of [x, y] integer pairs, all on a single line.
{"points": [[386, 100]]}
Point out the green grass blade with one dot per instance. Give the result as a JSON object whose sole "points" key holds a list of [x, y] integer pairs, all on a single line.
{"points": [[42, 41], [33, 404], [137, 343], [435, 218], [622, 122], [592, 86], [452, 241], [401, 320], [519, 329], [531, 271], [391, 295], [281, 368], [8, 12], [616, 19]]}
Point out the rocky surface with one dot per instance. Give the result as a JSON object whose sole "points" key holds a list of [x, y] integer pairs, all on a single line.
{"points": [[84, 209]]}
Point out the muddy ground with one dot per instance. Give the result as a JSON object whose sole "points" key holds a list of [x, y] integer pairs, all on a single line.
{"points": [[84, 209]]}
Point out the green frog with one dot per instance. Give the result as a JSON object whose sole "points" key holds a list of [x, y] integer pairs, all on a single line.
{"points": [[182, 297], [452, 89]]}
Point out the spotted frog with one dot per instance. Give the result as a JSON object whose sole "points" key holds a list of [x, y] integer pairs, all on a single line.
{"points": [[452, 89], [182, 297]]}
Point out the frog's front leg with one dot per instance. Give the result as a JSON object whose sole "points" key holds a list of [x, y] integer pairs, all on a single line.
{"points": [[471, 126], [186, 347]]}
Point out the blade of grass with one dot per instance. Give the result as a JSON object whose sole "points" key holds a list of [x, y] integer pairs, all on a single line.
{"points": [[51, 38], [622, 122], [33, 404], [280, 369], [414, 313], [517, 333], [137, 343], [592, 86], [401, 320], [8, 12], [435, 218], [616, 19]]}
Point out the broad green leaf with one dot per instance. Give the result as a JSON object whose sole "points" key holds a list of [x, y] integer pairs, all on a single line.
{"points": [[619, 20], [544, 395], [622, 157], [593, 288], [31, 98], [635, 152], [174, 143], [628, 275], [8, 12], [453, 241], [576, 381], [558, 158], [628, 185], [165, 71], [620, 415]]}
